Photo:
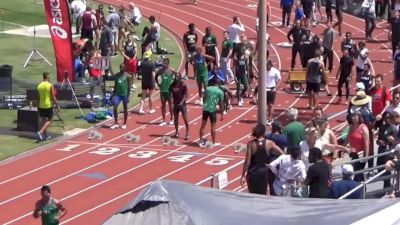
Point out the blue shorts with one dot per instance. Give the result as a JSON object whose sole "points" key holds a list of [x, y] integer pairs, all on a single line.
{"points": [[118, 99]]}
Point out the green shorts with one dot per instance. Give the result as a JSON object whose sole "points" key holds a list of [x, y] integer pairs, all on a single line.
{"points": [[165, 96], [202, 78]]}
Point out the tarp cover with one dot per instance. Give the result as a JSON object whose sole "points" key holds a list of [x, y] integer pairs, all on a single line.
{"points": [[176, 203]]}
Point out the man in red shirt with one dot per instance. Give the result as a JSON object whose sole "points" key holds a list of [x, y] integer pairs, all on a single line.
{"points": [[95, 75], [381, 99]]}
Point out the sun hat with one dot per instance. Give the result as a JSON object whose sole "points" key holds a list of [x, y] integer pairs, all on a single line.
{"points": [[147, 54], [347, 169], [360, 99]]}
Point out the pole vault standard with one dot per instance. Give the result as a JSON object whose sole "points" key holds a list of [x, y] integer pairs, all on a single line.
{"points": [[262, 61]]}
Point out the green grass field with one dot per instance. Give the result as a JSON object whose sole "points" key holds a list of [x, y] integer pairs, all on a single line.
{"points": [[17, 48]]}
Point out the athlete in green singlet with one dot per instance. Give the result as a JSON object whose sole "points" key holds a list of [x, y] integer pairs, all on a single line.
{"points": [[164, 79], [49, 209], [201, 72]]}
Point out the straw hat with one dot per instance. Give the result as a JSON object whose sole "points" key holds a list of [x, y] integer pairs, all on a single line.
{"points": [[360, 99]]}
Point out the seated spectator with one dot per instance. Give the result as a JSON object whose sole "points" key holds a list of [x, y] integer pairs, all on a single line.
{"points": [[341, 187], [136, 15]]}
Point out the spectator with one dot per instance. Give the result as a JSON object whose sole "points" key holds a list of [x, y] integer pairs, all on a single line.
{"points": [[148, 71], [318, 175], [341, 187], [350, 45], [395, 104], [339, 14], [113, 22], [277, 136], [234, 31], [294, 130], [308, 8], [290, 172], [299, 14], [153, 36], [78, 8], [367, 78], [311, 140], [396, 69], [286, 6], [368, 7], [129, 52], [344, 74], [394, 31], [296, 36], [135, 14], [273, 78], [328, 10], [314, 78], [258, 155], [95, 74], [327, 44], [381, 99], [89, 24]]}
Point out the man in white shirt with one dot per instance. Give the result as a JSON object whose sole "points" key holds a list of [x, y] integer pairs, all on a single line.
{"points": [[152, 36], [78, 7], [368, 7], [290, 171], [235, 31], [135, 14], [272, 80], [362, 56]]}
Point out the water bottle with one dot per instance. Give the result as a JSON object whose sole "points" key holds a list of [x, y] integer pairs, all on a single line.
{"points": [[30, 105]]}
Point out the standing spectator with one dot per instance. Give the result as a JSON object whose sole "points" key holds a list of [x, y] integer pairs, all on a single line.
{"points": [[362, 56], [289, 171], [349, 45], [381, 99], [152, 37], [255, 171], [47, 97], [299, 14], [308, 8], [396, 69], [105, 45], [225, 60], [341, 187], [344, 74], [294, 130], [189, 43], [129, 53], [210, 43], [395, 104], [358, 136], [78, 8], [148, 71], [179, 95], [328, 10], [122, 91], [314, 78], [309, 47], [100, 18], [164, 79], [339, 15], [286, 6], [394, 31], [113, 22], [311, 140], [368, 7], [89, 24], [95, 75], [213, 96], [295, 36], [273, 77], [327, 44], [242, 74], [50, 210], [234, 31], [277, 136], [317, 175]]}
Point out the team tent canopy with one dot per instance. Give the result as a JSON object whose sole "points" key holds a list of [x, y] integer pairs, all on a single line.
{"points": [[176, 203]]}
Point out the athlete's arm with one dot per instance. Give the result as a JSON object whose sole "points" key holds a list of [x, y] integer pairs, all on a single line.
{"points": [[62, 210], [246, 164], [53, 97], [37, 212]]}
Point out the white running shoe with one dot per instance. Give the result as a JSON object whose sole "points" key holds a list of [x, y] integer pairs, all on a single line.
{"points": [[141, 112], [152, 111], [163, 123], [123, 126], [240, 104], [171, 122], [115, 126]]}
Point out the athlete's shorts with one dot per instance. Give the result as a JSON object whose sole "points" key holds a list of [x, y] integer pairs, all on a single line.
{"points": [[165, 96], [46, 113], [116, 100], [211, 115]]}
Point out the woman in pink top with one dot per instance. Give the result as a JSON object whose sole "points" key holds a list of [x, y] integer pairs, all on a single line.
{"points": [[359, 143]]}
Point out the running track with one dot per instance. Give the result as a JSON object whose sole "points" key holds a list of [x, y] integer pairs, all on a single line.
{"points": [[96, 178]]}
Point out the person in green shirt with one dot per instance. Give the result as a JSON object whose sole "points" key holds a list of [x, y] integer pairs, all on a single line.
{"points": [[213, 97], [49, 209], [122, 90], [47, 97], [210, 42], [164, 78], [225, 59], [201, 72], [294, 131]]}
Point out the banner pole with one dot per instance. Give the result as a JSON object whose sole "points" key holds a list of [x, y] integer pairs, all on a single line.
{"points": [[262, 62]]}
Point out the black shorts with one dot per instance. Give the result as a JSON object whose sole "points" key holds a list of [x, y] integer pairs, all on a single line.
{"points": [[271, 95], [147, 85], [312, 87], [87, 33], [212, 116], [181, 109], [46, 113], [307, 13]]}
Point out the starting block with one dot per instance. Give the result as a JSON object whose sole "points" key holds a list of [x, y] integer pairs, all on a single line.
{"points": [[95, 135], [132, 138], [239, 147], [173, 142]]}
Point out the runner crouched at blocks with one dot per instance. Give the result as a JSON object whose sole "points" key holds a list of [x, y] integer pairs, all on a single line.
{"points": [[122, 92], [221, 76], [213, 96]]}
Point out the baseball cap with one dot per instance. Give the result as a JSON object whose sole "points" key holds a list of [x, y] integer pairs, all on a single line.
{"points": [[347, 169], [147, 54], [360, 86]]}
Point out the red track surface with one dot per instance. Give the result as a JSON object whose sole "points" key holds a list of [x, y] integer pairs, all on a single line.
{"points": [[96, 178]]}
